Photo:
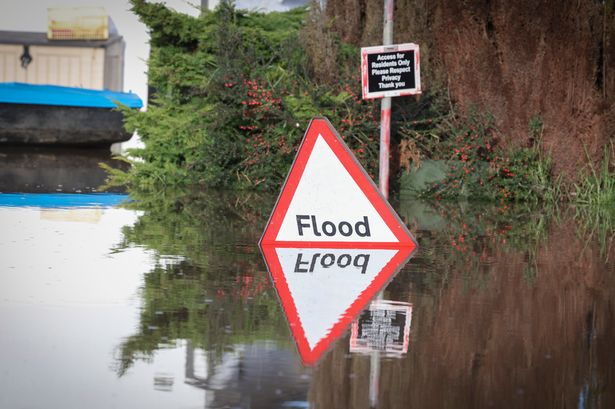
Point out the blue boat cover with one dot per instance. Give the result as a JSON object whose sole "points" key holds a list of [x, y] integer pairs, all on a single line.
{"points": [[61, 200], [20, 93]]}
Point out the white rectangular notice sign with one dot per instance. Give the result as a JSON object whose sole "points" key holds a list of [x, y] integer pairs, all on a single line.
{"points": [[390, 71]]}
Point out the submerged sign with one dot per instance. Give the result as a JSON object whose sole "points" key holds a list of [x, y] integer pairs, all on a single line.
{"points": [[390, 71], [332, 241], [383, 327]]}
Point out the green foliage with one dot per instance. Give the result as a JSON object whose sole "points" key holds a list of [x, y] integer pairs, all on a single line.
{"points": [[530, 177], [478, 168], [594, 195], [597, 186], [535, 128], [597, 222], [208, 286], [475, 233], [234, 91]]}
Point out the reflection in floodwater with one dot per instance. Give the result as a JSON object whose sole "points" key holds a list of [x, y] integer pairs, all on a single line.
{"points": [[323, 289], [68, 204], [217, 298], [383, 327], [48, 170], [258, 375], [510, 308]]}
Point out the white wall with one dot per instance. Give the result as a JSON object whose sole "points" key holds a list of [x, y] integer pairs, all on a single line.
{"points": [[66, 66]]}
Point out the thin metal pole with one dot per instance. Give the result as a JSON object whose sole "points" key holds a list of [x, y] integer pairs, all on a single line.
{"points": [[385, 142], [385, 109], [383, 180], [374, 370], [374, 379]]}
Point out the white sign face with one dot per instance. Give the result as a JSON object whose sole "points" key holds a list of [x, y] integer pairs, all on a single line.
{"points": [[329, 205], [324, 283], [323, 289]]}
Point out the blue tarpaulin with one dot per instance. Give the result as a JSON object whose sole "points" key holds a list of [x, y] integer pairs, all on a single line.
{"points": [[61, 200], [19, 93]]}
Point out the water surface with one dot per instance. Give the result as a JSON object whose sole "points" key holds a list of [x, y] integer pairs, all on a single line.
{"points": [[165, 301]]}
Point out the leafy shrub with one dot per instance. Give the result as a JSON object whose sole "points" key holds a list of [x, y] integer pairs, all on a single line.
{"points": [[478, 167], [234, 92], [597, 186]]}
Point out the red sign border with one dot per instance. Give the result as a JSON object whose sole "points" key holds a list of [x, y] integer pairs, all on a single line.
{"points": [[387, 49], [321, 126], [309, 355], [405, 246]]}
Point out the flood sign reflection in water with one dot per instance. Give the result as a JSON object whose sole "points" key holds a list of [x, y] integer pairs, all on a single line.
{"points": [[323, 289], [166, 302]]}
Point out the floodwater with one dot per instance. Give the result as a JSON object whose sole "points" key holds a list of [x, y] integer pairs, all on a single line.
{"points": [[108, 301]]}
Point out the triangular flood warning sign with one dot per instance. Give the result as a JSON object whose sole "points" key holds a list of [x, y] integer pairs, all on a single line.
{"points": [[332, 241], [323, 289], [329, 198]]}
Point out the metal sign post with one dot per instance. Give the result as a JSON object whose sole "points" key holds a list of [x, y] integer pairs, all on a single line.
{"points": [[385, 108], [383, 183], [389, 70]]}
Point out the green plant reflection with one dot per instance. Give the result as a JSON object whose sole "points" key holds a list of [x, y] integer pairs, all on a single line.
{"points": [[209, 285], [508, 302]]}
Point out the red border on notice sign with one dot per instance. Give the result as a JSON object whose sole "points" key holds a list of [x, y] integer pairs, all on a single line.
{"points": [[358, 345], [365, 51]]}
